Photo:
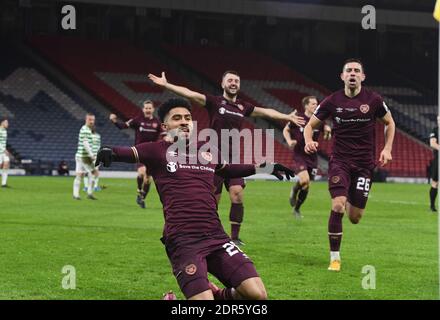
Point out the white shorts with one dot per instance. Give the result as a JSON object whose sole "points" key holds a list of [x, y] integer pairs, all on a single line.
{"points": [[84, 165], [4, 157]]}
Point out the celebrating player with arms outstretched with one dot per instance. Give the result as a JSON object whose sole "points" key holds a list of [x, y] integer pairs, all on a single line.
{"points": [[193, 236], [228, 112], [354, 111]]}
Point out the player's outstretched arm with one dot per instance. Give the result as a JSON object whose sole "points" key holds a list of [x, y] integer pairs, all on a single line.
{"points": [[245, 170], [276, 115], [119, 124], [310, 145], [179, 90], [390, 129]]}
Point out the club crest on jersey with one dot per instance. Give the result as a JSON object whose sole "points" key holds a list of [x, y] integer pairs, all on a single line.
{"points": [[364, 108], [142, 123], [207, 156], [240, 106], [336, 179], [172, 167], [222, 110], [191, 269], [154, 125], [339, 109]]}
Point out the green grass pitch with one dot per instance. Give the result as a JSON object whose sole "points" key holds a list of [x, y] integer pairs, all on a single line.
{"points": [[115, 249]]}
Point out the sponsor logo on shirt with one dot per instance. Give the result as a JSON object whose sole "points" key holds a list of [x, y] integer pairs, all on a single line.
{"points": [[223, 111], [146, 130], [172, 167]]}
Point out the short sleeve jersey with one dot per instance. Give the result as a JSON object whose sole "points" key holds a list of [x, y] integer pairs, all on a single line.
{"points": [[354, 124]]}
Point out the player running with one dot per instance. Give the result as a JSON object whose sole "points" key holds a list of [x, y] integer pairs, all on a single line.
{"points": [[95, 147], [193, 236], [354, 111], [306, 165], [148, 129], [228, 112], [4, 154], [85, 158]]}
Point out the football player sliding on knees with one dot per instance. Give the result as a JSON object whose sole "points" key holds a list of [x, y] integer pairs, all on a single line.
{"points": [[227, 112], [193, 236]]}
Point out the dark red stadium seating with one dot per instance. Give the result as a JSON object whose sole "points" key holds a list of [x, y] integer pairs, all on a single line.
{"points": [[410, 156]]}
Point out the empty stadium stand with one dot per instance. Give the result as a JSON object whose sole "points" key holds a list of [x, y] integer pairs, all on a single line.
{"points": [[45, 117]]}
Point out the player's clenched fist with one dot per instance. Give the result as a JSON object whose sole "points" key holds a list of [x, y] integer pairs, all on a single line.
{"points": [[311, 147]]}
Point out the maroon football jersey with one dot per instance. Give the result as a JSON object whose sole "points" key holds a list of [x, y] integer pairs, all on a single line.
{"points": [[354, 121], [185, 190], [147, 130], [228, 115], [297, 133]]}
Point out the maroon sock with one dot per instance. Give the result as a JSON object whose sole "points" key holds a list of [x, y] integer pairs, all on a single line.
{"points": [[296, 188], [224, 294], [140, 181], [335, 230], [301, 198], [236, 218], [145, 189]]}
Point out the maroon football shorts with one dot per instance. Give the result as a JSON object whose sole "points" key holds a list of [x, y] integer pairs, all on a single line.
{"points": [[220, 257], [218, 183], [301, 165], [350, 180]]}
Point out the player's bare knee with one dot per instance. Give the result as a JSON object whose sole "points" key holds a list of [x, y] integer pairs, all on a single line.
{"points": [[236, 196], [338, 206], [434, 184]]}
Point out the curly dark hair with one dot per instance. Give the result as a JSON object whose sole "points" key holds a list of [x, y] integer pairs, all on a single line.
{"points": [[171, 104]]}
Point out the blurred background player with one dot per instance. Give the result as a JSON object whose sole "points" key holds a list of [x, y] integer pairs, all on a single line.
{"points": [[85, 158], [306, 165], [433, 142], [354, 111], [227, 112], [147, 129], [4, 155], [63, 168], [194, 238], [95, 147]]}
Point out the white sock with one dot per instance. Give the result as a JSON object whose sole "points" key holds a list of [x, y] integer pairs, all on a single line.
{"points": [[4, 177], [96, 182], [76, 186], [334, 255], [86, 181], [90, 185]]}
